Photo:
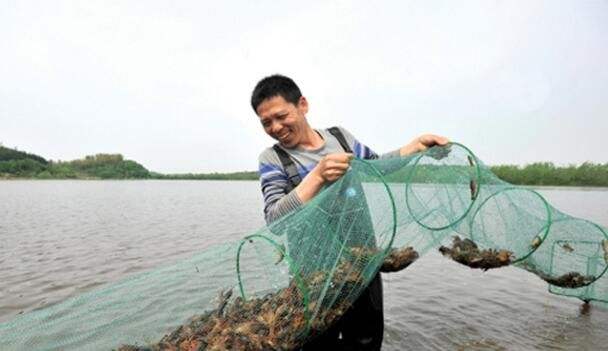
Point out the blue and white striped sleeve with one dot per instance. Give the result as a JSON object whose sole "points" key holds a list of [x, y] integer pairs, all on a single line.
{"points": [[273, 179], [363, 151]]}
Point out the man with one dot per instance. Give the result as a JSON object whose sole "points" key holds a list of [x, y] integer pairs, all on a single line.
{"points": [[295, 169]]}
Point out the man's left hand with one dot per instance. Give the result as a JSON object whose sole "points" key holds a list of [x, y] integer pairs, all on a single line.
{"points": [[422, 143]]}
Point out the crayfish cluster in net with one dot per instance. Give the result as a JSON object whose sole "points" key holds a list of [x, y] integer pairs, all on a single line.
{"points": [[278, 320], [257, 324], [465, 251], [570, 280], [396, 260], [399, 259], [275, 321]]}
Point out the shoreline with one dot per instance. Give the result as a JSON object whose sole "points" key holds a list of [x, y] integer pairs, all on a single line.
{"points": [[11, 179]]}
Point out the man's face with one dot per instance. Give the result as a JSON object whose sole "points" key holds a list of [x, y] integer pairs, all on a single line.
{"points": [[284, 121]]}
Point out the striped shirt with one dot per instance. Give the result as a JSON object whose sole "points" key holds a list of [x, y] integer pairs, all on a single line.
{"points": [[277, 201]]}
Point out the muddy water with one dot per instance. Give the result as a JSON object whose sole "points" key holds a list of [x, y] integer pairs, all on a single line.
{"points": [[61, 238]]}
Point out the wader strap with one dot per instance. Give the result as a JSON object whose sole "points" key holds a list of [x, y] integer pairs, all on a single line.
{"points": [[335, 131], [293, 177]]}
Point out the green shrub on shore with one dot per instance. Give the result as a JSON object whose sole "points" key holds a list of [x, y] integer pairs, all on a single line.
{"points": [[8, 154], [22, 167]]}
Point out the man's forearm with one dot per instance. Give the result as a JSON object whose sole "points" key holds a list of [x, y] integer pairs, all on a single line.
{"points": [[309, 187], [283, 206], [304, 192]]}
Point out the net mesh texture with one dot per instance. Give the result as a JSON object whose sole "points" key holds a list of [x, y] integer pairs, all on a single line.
{"points": [[290, 281]]}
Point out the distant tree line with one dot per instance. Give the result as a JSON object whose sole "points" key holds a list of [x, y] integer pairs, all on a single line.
{"points": [[19, 164], [546, 173], [245, 175]]}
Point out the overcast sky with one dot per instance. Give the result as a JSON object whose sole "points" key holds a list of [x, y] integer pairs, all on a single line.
{"points": [[168, 83]]}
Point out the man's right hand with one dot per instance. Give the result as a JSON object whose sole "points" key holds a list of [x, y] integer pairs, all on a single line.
{"points": [[332, 166], [329, 169]]}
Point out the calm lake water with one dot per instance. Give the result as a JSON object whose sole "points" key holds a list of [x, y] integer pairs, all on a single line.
{"points": [[61, 238]]}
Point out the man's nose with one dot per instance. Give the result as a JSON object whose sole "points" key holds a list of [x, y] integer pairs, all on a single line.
{"points": [[276, 127]]}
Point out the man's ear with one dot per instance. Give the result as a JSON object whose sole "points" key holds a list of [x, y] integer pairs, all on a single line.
{"points": [[303, 105]]}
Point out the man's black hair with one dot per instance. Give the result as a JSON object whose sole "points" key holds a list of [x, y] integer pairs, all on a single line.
{"points": [[275, 85]]}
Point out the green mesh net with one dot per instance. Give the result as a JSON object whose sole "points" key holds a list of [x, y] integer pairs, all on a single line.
{"points": [[288, 282]]}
